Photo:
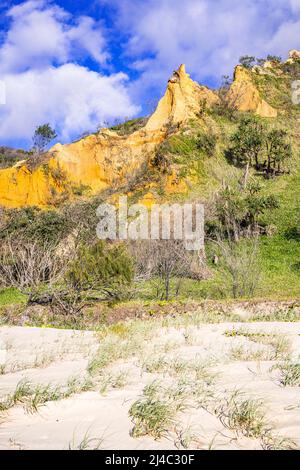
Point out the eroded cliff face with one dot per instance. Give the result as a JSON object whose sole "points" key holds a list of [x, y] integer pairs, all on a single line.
{"points": [[106, 159], [244, 96], [97, 162], [181, 102]]}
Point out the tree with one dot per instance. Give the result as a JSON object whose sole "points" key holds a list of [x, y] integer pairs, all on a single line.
{"points": [[238, 210], [253, 145], [165, 263], [261, 62], [247, 61], [29, 265], [278, 150], [247, 142], [42, 137]]}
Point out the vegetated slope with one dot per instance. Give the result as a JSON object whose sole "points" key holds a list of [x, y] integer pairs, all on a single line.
{"points": [[181, 153], [110, 158], [10, 156]]}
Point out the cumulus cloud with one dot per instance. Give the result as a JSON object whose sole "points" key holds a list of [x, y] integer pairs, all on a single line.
{"points": [[40, 35], [73, 98], [45, 52], [208, 36], [43, 81]]}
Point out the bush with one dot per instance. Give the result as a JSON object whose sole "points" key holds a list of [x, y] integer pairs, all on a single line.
{"points": [[48, 227], [206, 143], [238, 211], [240, 267], [101, 272], [33, 224]]}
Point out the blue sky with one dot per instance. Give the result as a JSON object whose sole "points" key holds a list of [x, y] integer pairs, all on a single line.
{"points": [[82, 64]]}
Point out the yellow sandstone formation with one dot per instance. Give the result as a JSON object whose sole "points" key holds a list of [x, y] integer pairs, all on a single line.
{"points": [[294, 55], [181, 102], [106, 159], [244, 95]]}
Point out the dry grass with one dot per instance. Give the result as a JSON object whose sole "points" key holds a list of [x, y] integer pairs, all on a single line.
{"points": [[289, 374]]}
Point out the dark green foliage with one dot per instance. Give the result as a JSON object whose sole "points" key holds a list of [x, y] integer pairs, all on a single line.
{"points": [[293, 233], [260, 62], [128, 127], [253, 144], [103, 268], [82, 219], [274, 58], [100, 272], [247, 142], [52, 226], [278, 151], [292, 69], [247, 61], [206, 143], [49, 227], [238, 211], [33, 224]]}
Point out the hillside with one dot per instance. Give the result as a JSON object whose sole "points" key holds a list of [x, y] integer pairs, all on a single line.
{"points": [[110, 157], [193, 147], [143, 344]]}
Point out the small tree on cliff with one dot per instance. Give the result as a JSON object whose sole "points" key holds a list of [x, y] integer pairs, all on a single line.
{"points": [[247, 61], [247, 142], [42, 137], [278, 150]]}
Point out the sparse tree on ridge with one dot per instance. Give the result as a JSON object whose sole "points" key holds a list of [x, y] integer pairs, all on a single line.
{"points": [[247, 61], [42, 137]]}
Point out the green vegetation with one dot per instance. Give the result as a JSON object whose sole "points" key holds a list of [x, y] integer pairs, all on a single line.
{"points": [[255, 145], [153, 414], [244, 168], [9, 156], [289, 374], [130, 126], [245, 415], [11, 296]]}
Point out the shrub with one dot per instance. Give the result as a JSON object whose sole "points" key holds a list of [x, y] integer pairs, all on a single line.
{"points": [[240, 267], [206, 143], [101, 272]]}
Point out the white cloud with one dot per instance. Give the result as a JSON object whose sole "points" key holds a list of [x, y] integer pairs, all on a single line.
{"points": [[208, 36], [40, 35], [43, 81], [295, 5], [72, 98]]}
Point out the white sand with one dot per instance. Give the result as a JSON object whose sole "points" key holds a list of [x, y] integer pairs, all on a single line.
{"points": [[48, 356]]}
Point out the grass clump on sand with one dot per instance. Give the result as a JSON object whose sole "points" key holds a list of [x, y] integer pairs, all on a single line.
{"points": [[33, 396], [154, 413], [289, 374], [245, 415], [280, 346]]}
